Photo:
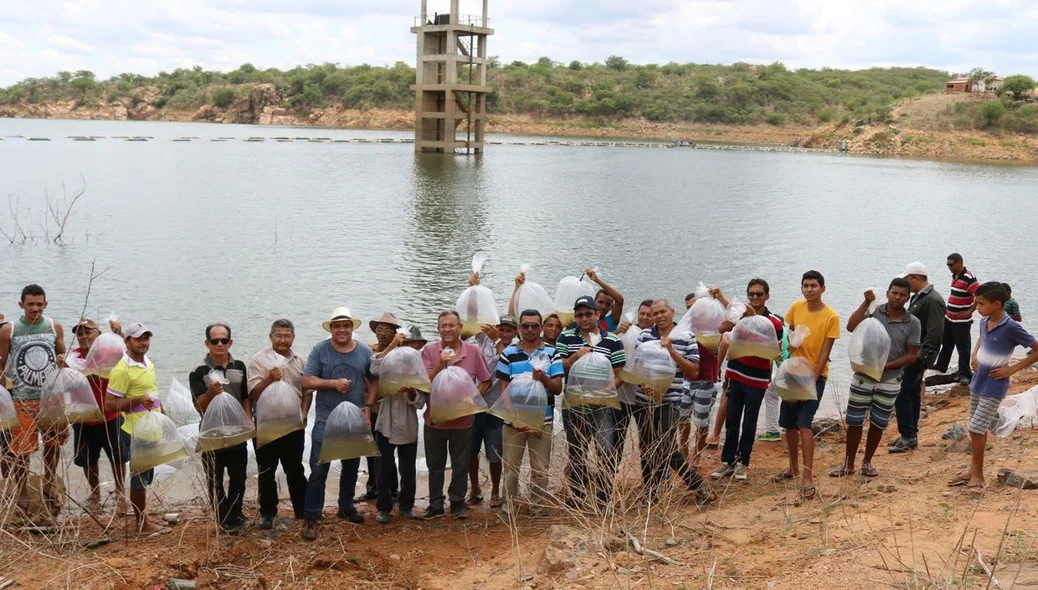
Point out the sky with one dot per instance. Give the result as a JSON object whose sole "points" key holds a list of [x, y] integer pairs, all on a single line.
{"points": [[38, 38]]}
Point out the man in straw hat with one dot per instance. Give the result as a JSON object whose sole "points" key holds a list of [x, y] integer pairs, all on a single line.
{"points": [[338, 369], [384, 328]]}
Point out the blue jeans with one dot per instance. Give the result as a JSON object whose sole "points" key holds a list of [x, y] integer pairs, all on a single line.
{"points": [[743, 409], [589, 433], [314, 504]]}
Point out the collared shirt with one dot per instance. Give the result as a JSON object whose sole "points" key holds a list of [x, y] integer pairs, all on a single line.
{"points": [[97, 384], [263, 361], [130, 379], [468, 358], [751, 370], [963, 295], [903, 333], [996, 350], [235, 372], [928, 305], [515, 361], [397, 419], [687, 348]]}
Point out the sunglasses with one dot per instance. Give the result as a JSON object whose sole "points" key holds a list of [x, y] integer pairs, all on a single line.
{"points": [[530, 326], [216, 341], [584, 314]]}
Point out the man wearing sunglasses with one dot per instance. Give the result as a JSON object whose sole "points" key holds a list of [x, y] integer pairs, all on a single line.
{"points": [[232, 460], [958, 319]]}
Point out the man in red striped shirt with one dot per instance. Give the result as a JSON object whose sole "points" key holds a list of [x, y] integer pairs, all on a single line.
{"points": [[958, 320]]}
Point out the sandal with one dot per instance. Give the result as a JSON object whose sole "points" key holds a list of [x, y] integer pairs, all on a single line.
{"points": [[960, 479], [808, 493], [495, 502], [867, 470], [840, 471], [783, 476], [476, 499]]}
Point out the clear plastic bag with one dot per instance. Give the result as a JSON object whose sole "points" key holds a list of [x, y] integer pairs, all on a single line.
{"points": [[8, 415], [524, 402], [179, 406], [278, 412], [754, 336], [67, 398], [476, 305], [531, 295], [454, 395], [735, 311], [881, 298], [651, 365], [155, 442], [794, 381], [347, 435], [869, 348], [402, 367], [590, 382], [704, 319], [797, 336], [224, 424], [630, 337], [569, 290], [106, 352]]}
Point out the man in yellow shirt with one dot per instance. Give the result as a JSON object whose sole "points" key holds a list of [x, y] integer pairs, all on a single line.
{"points": [[132, 390], [797, 417]]}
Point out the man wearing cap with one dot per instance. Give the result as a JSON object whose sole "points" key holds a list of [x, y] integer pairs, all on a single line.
{"points": [[278, 362], [487, 429], [588, 429], [133, 391], [339, 369], [232, 460], [91, 438], [396, 432], [929, 308], [384, 328]]}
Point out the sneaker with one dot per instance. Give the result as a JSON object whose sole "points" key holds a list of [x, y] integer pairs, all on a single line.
{"points": [[409, 513], [266, 523], [964, 380], [740, 472], [723, 470], [460, 513], [904, 445], [431, 514], [352, 516], [309, 530], [895, 442], [770, 437], [382, 517]]}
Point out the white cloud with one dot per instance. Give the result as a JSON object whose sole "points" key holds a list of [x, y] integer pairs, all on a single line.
{"points": [[111, 36]]}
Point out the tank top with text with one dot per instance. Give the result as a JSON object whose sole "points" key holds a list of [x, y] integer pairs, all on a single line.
{"points": [[32, 357]]}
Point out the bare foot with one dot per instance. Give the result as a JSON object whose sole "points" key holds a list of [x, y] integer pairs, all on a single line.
{"points": [[93, 505], [149, 527], [122, 508]]}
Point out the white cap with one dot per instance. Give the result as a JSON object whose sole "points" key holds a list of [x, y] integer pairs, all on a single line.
{"points": [[137, 330], [915, 268]]}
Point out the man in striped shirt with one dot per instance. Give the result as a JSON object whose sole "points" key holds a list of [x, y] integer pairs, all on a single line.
{"points": [[658, 422], [958, 320]]}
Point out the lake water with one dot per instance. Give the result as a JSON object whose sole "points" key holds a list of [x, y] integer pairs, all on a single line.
{"points": [[243, 232]]}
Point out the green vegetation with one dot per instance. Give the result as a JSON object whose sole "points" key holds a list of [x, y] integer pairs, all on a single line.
{"points": [[739, 93], [994, 115]]}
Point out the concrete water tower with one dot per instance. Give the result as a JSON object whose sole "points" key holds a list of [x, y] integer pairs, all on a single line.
{"points": [[451, 81]]}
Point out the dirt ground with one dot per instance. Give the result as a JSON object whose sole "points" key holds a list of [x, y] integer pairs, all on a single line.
{"points": [[903, 529]]}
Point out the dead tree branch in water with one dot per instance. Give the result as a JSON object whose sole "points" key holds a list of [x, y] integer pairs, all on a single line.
{"points": [[60, 212]]}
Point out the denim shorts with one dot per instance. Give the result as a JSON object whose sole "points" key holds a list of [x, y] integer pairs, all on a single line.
{"points": [[801, 414], [486, 432]]}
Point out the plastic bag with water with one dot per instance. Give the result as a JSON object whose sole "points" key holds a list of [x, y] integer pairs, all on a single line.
{"points": [[8, 415], [704, 319], [278, 412], [590, 382], [754, 336], [531, 295], [652, 366], [347, 435], [402, 367], [155, 442], [630, 337], [569, 290], [524, 402], [454, 395], [794, 381], [476, 305], [224, 424], [869, 349], [179, 406], [106, 352], [67, 398]]}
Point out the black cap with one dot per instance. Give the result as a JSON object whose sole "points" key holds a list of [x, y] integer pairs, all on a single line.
{"points": [[586, 301]]}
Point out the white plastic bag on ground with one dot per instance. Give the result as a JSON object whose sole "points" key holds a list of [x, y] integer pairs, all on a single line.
{"points": [[590, 382], [155, 442], [569, 290], [67, 398], [454, 395], [794, 380], [705, 317], [1017, 411], [106, 352], [869, 348], [347, 435], [278, 412], [224, 424], [179, 405], [523, 402], [8, 415], [651, 365], [754, 336], [531, 295], [402, 367]]}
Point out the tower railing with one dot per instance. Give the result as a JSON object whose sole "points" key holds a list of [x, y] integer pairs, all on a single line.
{"points": [[468, 20]]}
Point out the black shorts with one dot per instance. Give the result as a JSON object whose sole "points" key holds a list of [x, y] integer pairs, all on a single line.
{"points": [[801, 414], [91, 439]]}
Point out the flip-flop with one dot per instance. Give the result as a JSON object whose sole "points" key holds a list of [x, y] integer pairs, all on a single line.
{"points": [[868, 471], [808, 493], [840, 471], [960, 479], [495, 502], [473, 500], [783, 476]]}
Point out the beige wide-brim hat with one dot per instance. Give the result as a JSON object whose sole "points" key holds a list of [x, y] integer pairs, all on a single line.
{"points": [[340, 314], [386, 318]]}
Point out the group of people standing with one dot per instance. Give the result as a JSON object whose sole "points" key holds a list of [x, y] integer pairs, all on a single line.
{"points": [[674, 426]]}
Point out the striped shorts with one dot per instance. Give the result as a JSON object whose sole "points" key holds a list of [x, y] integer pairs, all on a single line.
{"points": [[873, 398], [702, 395], [983, 413]]}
